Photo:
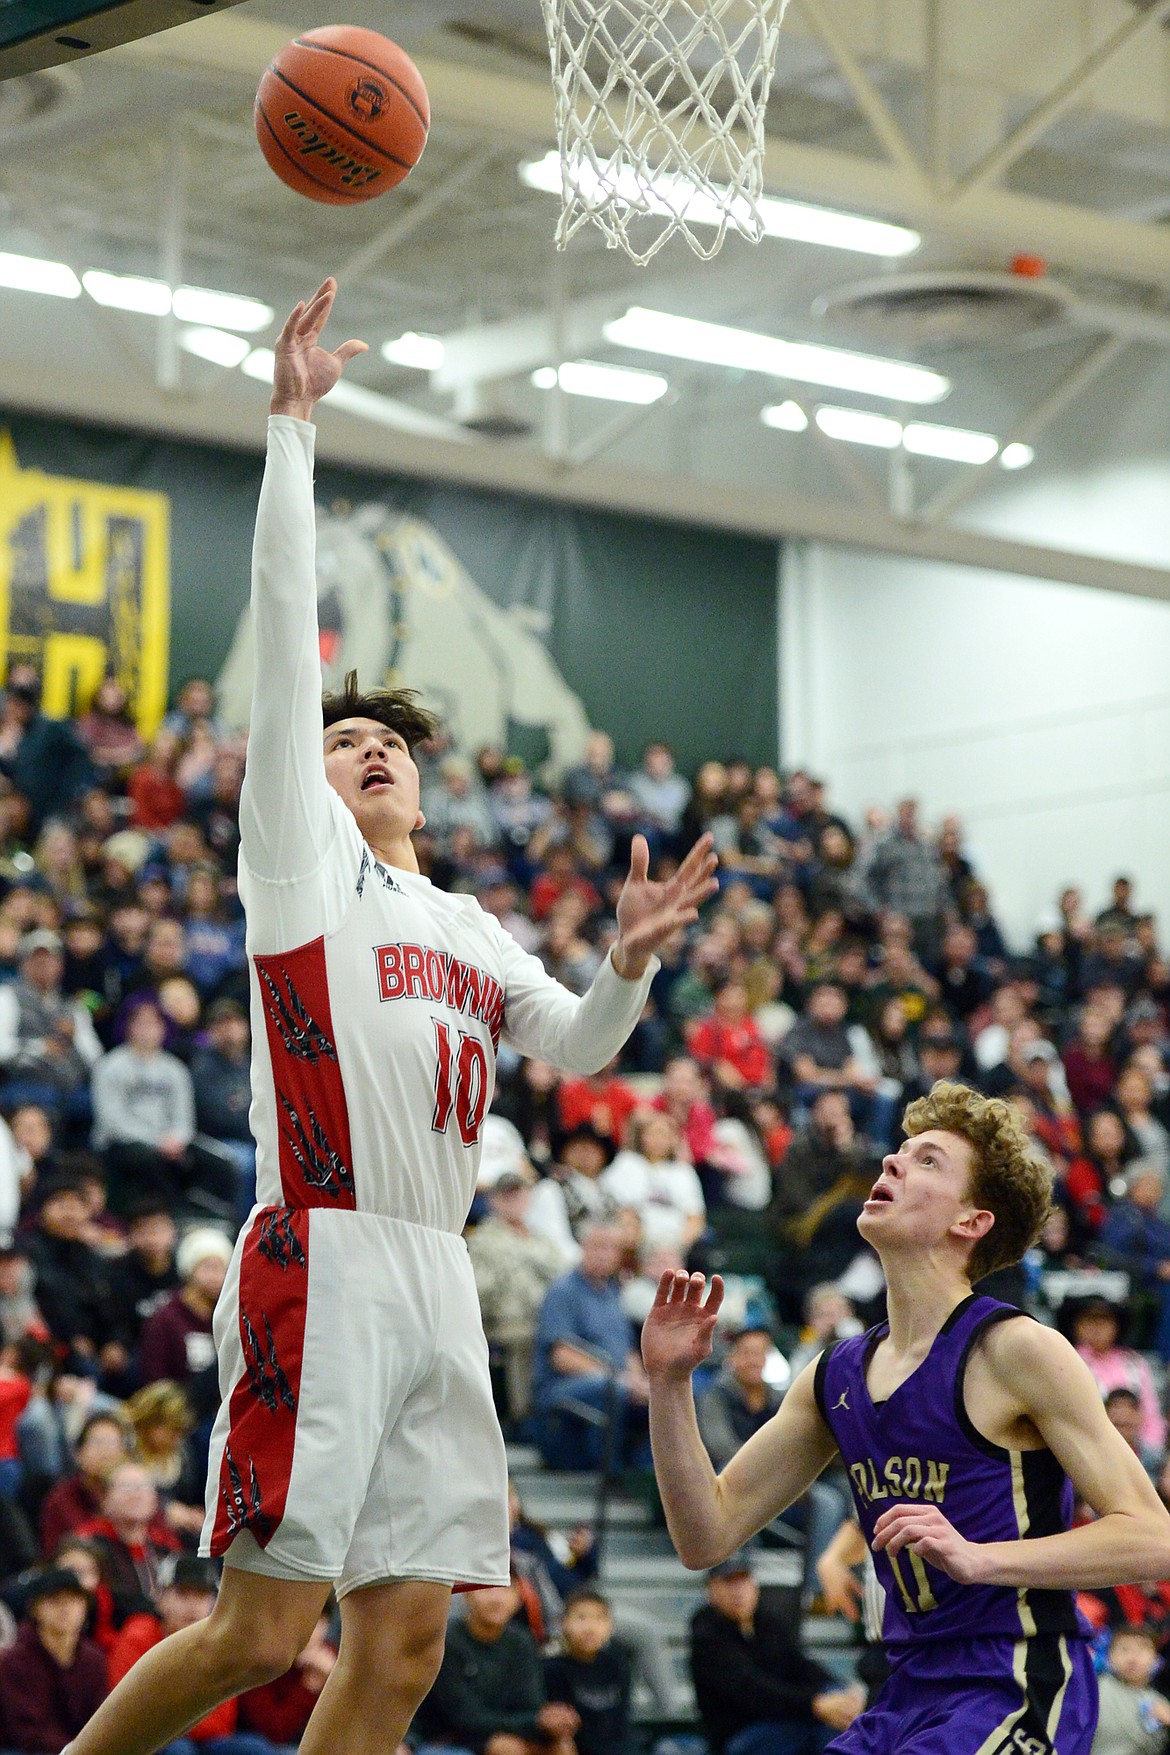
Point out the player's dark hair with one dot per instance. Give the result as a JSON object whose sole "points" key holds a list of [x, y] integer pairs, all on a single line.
{"points": [[397, 709], [586, 1593]]}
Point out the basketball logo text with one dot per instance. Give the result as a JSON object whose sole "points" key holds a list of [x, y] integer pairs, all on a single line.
{"points": [[368, 99], [353, 173]]}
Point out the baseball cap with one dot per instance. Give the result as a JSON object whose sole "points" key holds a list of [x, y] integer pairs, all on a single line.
{"points": [[53, 1581], [188, 1572], [42, 939]]}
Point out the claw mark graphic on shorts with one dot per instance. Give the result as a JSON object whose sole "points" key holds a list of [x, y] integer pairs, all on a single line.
{"points": [[279, 1242], [245, 1509], [300, 1035], [266, 1376], [318, 1163]]}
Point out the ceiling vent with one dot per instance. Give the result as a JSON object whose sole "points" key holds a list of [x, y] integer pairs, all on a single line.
{"points": [[961, 308]]}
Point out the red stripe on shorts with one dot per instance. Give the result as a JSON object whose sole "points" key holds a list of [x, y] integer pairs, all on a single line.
{"points": [[258, 1457], [316, 1158]]}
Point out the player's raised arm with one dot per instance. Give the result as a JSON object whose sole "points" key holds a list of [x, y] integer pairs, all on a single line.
{"points": [[1130, 1537], [709, 1516], [285, 811], [580, 1034]]}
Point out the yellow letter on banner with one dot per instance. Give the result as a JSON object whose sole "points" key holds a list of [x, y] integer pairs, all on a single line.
{"points": [[85, 586]]}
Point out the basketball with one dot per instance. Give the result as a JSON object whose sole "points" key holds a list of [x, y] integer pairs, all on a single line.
{"points": [[342, 115]]}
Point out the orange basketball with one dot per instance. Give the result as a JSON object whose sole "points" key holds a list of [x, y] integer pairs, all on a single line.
{"points": [[342, 114]]}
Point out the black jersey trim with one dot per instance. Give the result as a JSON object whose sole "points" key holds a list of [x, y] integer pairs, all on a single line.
{"points": [[960, 1310], [971, 1432], [819, 1381]]}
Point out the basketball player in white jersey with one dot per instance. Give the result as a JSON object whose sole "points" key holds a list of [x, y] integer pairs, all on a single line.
{"points": [[357, 1446]]}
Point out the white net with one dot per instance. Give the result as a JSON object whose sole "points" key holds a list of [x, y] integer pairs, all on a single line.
{"points": [[660, 117]]}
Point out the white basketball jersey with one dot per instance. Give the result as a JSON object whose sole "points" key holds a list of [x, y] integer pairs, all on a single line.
{"points": [[378, 1002]]}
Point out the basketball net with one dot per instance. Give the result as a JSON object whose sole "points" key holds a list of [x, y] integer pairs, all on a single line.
{"points": [[660, 117]]}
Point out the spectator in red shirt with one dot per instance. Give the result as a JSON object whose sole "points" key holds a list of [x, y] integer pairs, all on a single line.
{"points": [[186, 1594], [1089, 1067], [728, 1044], [280, 1710], [684, 1098], [18, 1362], [560, 877], [155, 794], [76, 1499], [53, 1679], [134, 1539], [176, 1341], [603, 1101]]}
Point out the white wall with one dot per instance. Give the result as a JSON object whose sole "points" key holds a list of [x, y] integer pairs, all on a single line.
{"points": [[1039, 712]]}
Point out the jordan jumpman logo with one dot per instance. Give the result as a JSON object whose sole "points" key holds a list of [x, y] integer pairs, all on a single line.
{"points": [[842, 1403]]}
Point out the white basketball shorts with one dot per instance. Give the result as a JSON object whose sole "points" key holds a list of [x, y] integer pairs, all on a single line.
{"points": [[356, 1441]]}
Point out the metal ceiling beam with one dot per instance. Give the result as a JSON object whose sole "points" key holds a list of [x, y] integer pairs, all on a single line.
{"points": [[1084, 374], [1001, 158], [430, 202], [235, 418], [886, 127]]}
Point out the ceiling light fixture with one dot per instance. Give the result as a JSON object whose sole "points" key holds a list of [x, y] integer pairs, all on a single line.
{"points": [[31, 274], [718, 344], [220, 310], [857, 426], [785, 417], [1017, 456], [607, 383], [216, 345], [424, 353], [127, 292], [796, 220], [951, 444], [260, 364]]}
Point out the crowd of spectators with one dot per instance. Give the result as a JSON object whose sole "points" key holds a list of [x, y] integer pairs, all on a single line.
{"points": [[843, 967]]}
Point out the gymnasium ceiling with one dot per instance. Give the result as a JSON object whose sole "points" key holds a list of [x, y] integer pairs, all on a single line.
{"points": [[1036, 128]]}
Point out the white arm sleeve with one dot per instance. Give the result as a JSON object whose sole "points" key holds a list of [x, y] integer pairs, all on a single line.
{"points": [[545, 1021], [290, 817]]}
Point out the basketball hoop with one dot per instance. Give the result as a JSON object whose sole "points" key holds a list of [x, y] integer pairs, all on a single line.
{"points": [[660, 117]]}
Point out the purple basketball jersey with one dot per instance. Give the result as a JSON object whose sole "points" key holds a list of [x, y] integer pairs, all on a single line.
{"points": [[920, 1447]]}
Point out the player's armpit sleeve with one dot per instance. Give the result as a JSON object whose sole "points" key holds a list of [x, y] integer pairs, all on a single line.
{"points": [[544, 1020], [286, 816]]}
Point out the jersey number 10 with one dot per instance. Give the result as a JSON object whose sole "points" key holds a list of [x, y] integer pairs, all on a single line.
{"points": [[461, 1083]]}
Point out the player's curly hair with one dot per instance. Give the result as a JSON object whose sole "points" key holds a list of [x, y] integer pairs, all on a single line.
{"points": [[398, 709], [1008, 1177]]}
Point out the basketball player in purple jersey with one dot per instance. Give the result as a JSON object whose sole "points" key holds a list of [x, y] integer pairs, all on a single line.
{"points": [[966, 1429]]}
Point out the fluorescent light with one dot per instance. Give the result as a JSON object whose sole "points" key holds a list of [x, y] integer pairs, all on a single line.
{"points": [[786, 417], [952, 444], [1017, 456], [796, 220], [260, 364], [717, 344], [31, 274], [128, 292], [607, 383], [220, 310], [857, 426], [215, 345], [423, 352]]}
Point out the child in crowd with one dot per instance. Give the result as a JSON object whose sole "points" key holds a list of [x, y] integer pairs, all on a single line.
{"points": [[592, 1675], [1133, 1718]]}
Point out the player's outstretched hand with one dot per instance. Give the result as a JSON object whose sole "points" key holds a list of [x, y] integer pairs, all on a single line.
{"points": [[647, 913], [306, 371], [678, 1332], [926, 1532]]}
